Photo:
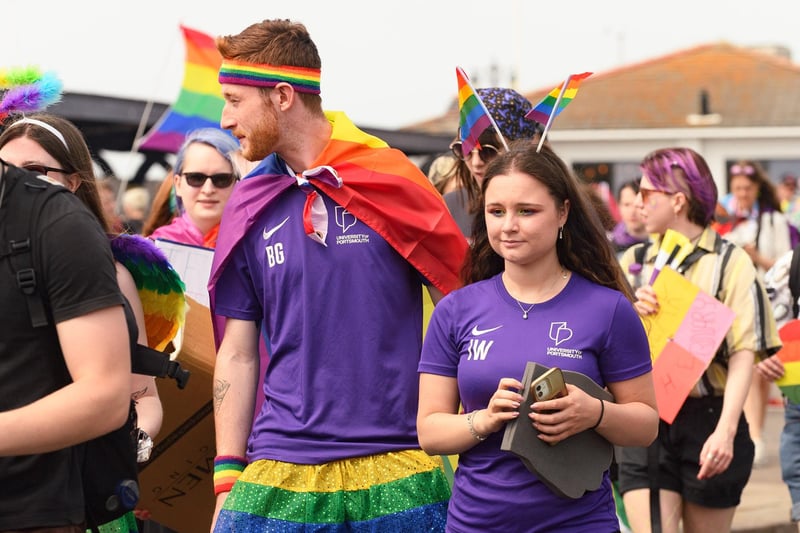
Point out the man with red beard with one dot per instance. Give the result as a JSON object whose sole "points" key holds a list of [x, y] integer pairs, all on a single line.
{"points": [[326, 245]]}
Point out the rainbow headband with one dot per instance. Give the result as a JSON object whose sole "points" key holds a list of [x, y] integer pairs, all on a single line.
{"points": [[303, 80]]}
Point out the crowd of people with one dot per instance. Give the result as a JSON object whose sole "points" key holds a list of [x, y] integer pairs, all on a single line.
{"points": [[333, 405]]}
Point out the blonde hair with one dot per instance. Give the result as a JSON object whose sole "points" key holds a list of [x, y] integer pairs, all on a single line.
{"points": [[442, 168], [136, 198]]}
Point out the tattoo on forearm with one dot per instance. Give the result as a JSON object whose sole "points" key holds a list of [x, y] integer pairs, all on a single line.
{"points": [[220, 390], [138, 394]]}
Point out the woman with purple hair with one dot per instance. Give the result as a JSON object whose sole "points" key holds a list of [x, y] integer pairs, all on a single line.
{"points": [[700, 463]]}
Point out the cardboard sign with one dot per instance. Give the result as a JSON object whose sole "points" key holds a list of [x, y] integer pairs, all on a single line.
{"points": [[177, 483], [684, 336]]}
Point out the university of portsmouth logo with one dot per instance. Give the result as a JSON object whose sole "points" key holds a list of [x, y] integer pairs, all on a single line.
{"points": [[346, 220], [559, 332]]}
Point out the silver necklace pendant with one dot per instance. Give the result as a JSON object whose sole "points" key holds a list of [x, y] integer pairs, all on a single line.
{"points": [[530, 307], [524, 311]]}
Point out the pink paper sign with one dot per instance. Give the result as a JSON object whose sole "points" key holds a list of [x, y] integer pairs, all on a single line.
{"points": [[674, 374], [704, 327], [684, 336]]}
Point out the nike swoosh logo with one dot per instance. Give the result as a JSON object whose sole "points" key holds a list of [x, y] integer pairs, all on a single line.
{"points": [[478, 332], [268, 234]]}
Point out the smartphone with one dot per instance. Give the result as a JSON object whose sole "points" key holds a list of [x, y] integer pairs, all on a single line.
{"points": [[548, 386]]}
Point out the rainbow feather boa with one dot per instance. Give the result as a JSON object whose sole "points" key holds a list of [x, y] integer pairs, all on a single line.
{"points": [[159, 286], [27, 90]]}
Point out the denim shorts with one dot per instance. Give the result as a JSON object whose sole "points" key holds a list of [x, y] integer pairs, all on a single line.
{"points": [[790, 455], [679, 446]]}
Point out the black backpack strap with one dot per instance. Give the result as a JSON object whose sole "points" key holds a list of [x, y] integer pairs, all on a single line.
{"points": [[635, 268], [697, 253], [151, 362], [22, 261], [653, 453], [794, 279], [725, 249], [639, 251], [24, 204]]}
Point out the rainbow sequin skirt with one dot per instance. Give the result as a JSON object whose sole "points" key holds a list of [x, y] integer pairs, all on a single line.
{"points": [[403, 491]]}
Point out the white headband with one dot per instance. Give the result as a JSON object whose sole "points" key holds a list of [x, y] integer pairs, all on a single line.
{"points": [[48, 127]]}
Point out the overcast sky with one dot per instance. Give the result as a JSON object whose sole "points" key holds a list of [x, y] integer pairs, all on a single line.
{"points": [[387, 64]]}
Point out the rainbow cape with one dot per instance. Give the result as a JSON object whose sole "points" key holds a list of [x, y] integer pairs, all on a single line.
{"points": [[474, 118], [380, 186], [542, 111], [160, 288], [199, 104]]}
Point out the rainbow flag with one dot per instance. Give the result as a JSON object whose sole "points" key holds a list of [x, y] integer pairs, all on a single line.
{"points": [[199, 104], [542, 111], [789, 354], [474, 118]]}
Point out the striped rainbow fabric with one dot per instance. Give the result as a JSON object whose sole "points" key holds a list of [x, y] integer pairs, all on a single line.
{"points": [[382, 188], [474, 118], [789, 354], [404, 492], [408, 217], [199, 104], [541, 112], [304, 80]]}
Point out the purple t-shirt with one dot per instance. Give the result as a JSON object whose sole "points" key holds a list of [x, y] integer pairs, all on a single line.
{"points": [[345, 328], [478, 335]]}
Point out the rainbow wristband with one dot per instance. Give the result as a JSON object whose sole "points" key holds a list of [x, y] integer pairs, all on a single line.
{"points": [[227, 469]]}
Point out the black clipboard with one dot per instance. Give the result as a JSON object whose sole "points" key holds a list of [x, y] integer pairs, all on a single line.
{"points": [[574, 465]]}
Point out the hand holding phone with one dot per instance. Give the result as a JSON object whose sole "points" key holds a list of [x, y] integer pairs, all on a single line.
{"points": [[548, 386]]}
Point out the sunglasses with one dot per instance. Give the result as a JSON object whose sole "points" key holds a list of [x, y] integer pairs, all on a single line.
{"points": [[43, 170], [486, 152], [743, 170], [220, 181], [646, 192]]}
